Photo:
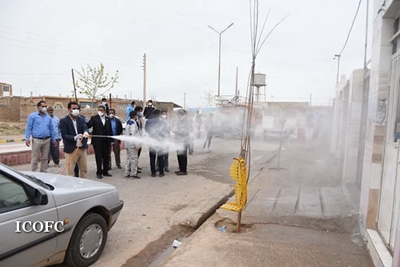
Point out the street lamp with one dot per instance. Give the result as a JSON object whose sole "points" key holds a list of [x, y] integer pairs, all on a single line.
{"points": [[219, 55]]}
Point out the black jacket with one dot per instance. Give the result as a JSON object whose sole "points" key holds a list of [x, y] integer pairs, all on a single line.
{"points": [[100, 129]]}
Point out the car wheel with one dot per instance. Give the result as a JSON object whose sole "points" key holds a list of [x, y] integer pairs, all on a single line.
{"points": [[87, 241]]}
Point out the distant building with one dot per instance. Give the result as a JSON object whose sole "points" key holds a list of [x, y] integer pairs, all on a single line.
{"points": [[5, 89]]}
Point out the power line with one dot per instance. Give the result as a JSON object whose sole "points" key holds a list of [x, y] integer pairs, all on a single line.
{"points": [[351, 27]]}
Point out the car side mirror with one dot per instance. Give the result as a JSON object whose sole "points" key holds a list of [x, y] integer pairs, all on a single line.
{"points": [[40, 197]]}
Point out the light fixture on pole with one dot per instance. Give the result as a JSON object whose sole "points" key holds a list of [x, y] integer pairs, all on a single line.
{"points": [[219, 55]]}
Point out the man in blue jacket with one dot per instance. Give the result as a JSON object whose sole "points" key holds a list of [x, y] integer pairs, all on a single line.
{"points": [[74, 132]]}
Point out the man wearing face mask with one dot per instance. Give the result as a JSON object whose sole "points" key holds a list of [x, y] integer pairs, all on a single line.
{"points": [[148, 111], [55, 150], [101, 143], [131, 107], [104, 103], [139, 122], [74, 132], [116, 127], [40, 127], [167, 137]]}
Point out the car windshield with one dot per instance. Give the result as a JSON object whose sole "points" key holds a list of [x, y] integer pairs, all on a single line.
{"points": [[32, 178]]}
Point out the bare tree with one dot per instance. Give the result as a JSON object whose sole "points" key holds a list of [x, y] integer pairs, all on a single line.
{"points": [[94, 82], [208, 98]]}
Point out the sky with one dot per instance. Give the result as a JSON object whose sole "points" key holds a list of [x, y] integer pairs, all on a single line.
{"points": [[42, 40]]}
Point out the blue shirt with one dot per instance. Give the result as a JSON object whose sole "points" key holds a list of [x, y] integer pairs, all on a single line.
{"points": [[114, 127], [128, 112], [39, 126], [56, 126]]}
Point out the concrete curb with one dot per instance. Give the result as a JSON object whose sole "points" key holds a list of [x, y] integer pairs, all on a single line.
{"points": [[3, 141], [197, 213]]}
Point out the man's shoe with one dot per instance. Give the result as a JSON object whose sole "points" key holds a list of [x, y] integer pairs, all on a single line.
{"points": [[56, 165], [127, 176], [166, 170], [162, 175], [107, 174], [153, 175], [119, 167], [181, 173], [177, 171], [139, 168], [139, 171], [99, 176], [135, 176]]}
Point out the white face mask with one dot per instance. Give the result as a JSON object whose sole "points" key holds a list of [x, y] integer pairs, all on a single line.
{"points": [[163, 117], [100, 113], [104, 103], [150, 104], [111, 115], [75, 112], [43, 109]]}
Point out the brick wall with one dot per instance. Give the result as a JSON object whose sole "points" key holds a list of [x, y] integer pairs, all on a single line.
{"points": [[17, 109], [9, 109]]}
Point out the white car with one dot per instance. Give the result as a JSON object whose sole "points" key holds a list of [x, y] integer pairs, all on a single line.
{"points": [[123, 122], [47, 219]]}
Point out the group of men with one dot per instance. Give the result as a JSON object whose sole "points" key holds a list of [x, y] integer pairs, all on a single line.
{"points": [[47, 131]]}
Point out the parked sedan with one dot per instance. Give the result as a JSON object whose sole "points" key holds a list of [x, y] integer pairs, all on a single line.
{"points": [[47, 218]]}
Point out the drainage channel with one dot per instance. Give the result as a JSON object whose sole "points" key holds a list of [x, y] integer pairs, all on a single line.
{"points": [[158, 250]]}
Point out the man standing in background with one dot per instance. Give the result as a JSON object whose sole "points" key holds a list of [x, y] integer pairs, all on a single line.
{"points": [[129, 109], [55, 150], [148, 111], [182, 137], [139, 113], [104, 103], [116, 127], [40, 127]]}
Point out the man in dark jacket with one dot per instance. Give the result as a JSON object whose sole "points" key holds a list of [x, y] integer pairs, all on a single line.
{"points": [[101, 143], [157, 129], [74, 133], [148, 111], [116, 127], [182, 137]]}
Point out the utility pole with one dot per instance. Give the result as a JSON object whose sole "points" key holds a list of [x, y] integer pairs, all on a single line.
{"points": [[338, 65], [73, 81], [236, 88], [144, 79]]}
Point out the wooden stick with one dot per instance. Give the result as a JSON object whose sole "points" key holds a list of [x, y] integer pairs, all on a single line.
{"points": [[239, 221], [73, 155]]}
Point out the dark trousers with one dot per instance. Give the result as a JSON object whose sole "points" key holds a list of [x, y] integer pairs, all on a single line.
{"points": [[160, 158], [101, 154], [166, 155], [117, 153], [76, 170], [54, 153], [182, 158]]}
